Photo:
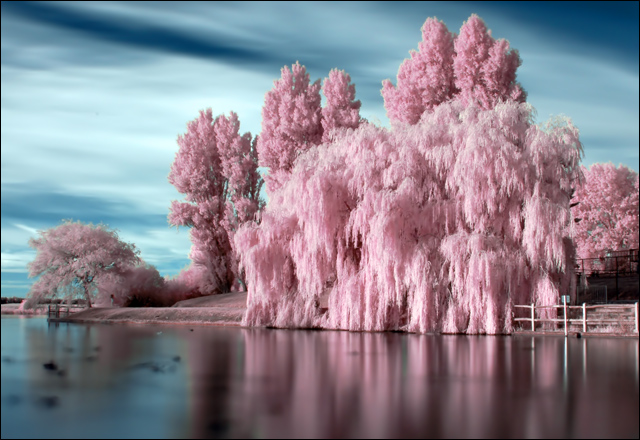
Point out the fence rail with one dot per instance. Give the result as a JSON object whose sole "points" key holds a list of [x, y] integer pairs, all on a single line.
{"points": [[58, 310], [583, 319], [623, 262]]}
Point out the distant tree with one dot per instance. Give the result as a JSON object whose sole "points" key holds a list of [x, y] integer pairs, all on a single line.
{"points": [[216, 169], [77, 259], [607, 209]]}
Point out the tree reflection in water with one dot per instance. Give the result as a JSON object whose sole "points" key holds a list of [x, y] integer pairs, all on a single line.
{"points": [[123, 381], [340, 384]]}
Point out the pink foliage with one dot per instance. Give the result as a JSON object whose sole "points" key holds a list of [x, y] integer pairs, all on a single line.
{"points": [[473, 67], [439, 225], [485, 69], [291, 122], [426, 79], [134, 284], [216, 169], [78, 259], [608, 209], [341, 109]]}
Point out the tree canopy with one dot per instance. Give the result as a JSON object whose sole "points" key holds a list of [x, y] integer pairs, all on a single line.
{"points": [[439, 224], [216, 169], [78, 259], [608, 210]]}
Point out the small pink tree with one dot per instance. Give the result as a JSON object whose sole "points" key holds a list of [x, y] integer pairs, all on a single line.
{"points": [[608, 209], [216, 169], [75, 258]]}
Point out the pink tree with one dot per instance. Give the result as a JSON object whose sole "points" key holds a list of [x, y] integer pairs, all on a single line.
{"points": [[216, 169], [75, 258], [485, 69], [472, 67], [438, 225], [291, 123], [426, 79], [239, 162], [608, 209], [341, 110]]}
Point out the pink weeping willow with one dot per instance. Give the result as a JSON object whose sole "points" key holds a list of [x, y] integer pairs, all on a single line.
{"points": [[440, 224]]}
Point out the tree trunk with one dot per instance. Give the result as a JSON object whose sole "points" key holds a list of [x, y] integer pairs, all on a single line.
{"points": [[87, 296]]}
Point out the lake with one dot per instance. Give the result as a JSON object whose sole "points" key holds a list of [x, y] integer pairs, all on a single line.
{"points": [[109, 381]]}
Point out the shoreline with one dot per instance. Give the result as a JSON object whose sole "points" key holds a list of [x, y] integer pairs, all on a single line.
{"points": [[225, 310], [160, 315]]}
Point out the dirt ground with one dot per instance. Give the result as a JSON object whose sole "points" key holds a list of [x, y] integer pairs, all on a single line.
{"points": [[224, 309]]}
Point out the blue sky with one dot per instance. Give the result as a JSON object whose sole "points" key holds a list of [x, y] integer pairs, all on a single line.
{"points": [[95, 94]]}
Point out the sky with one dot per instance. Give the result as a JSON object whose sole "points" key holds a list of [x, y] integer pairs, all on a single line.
{"points": [[95, 94]]}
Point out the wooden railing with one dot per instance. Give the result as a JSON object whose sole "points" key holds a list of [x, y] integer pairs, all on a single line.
{"points": [[62, 310], [583, 319]]}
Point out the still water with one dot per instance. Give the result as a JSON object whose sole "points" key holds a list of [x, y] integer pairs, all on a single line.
{"points": [[174, 382]]}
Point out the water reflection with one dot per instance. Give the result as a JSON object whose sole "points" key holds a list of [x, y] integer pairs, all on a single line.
{"points": [[338, 384], [204, 382]]}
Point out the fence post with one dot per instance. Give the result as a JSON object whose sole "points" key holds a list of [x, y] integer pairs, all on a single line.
{"points": [[533, 318], [617, 291], [584, 317], [564, 302]]}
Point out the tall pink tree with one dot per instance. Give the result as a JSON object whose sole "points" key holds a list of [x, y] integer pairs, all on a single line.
{"points": [[438, 225], [341, 109], [472, 67], [485, 69], [426, 79], [608, 209], [291, 122], [78, 259], [239, 162], [216, 169]]}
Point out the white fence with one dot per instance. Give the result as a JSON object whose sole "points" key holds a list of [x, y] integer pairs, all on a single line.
{"points": [[616, 310]]}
